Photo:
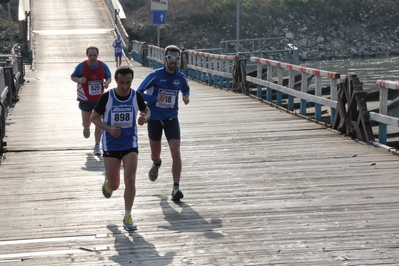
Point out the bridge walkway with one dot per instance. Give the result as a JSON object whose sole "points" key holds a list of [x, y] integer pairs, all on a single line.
{"points": [[262, 187]]}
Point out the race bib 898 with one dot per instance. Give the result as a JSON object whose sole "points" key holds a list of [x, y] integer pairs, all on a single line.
{"points": [[122, 116]]}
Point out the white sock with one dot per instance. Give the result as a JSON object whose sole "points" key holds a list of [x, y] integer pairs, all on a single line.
{"points": [[128, 212]]}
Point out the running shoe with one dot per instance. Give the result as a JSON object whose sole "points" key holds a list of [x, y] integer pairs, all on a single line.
{"points": [[107, 192], [86, 132], [128, 223], [96, 150], [177, 194], [153, 173]]}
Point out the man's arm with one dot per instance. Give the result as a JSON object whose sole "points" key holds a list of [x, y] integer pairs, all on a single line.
{"points": [[186, 92], [95, 118], [107, 82], [76, 76], [145, 113], [78, 80], [107, 75], [145, 85]]}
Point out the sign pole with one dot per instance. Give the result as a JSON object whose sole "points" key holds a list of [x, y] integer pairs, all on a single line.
{"points": [[238, 27], [158, 35]]}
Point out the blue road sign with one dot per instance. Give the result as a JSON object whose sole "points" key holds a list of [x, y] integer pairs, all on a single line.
{"points": [[158, 17]]}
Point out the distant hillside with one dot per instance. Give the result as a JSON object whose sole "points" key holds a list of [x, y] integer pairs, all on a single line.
{"points": [[321, 28]]}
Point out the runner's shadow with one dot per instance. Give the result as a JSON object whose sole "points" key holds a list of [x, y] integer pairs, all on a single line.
{"points": [[136, 251], [93, 163], [188, 220]]}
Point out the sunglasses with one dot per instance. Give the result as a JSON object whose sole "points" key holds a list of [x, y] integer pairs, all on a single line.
{"points": [[172, 57]]}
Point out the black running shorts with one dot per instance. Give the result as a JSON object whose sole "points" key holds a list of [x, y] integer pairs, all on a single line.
{"points": [[87, 106], [119, 154], [171, 127]]}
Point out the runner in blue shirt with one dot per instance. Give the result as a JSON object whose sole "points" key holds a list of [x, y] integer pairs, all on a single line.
{"points": [[118, 45], [160, 90]]}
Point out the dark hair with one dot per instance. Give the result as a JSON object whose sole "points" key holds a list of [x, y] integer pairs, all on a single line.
{"points": [[123, 70], [171, 48], [91, 47]]}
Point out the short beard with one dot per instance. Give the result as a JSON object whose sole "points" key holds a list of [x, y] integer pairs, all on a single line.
{"points": [[172, 67]]}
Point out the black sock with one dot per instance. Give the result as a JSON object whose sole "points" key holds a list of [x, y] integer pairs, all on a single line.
{"points": [[175, 184]]}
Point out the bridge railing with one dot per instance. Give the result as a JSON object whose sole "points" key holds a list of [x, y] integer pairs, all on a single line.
{"points": [[383, 117], [11, 79], [212, 69], [276, 71], [155, 56]]}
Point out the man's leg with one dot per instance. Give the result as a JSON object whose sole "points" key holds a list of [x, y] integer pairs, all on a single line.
{"points": [[112, 175], [130, 167], [86, 123], [86, 119], [155, 150], [174, 146], [155, 157]]}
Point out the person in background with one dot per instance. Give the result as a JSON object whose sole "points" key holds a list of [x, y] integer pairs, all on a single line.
{"points": [[116, 114], [92, 77], [160, 90], [118, 45]]}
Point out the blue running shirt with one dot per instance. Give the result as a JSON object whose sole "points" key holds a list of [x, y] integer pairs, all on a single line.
{"points": [[124, 114], [160, 81]]}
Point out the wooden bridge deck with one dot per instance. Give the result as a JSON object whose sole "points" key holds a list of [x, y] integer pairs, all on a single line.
{"points": [[262, 187]]}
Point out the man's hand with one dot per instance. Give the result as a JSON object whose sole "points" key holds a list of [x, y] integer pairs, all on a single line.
{"points": [[115, 131], [186, 99], [161, 97], [142, 118]]}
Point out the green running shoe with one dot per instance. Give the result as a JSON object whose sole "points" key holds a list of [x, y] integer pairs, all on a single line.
{"points": [[107, 192], [128, 223]]}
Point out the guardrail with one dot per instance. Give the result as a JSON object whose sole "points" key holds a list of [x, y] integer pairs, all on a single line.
{"points": [[284, 69], [12, 74], [213, 69], [382, 117]]}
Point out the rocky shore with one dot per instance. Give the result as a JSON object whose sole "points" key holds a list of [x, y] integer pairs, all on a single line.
{"points": [[320, 41], [339, 41], [369, 32]]}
